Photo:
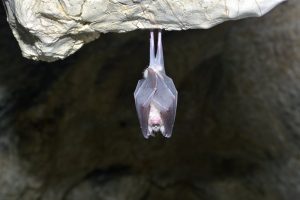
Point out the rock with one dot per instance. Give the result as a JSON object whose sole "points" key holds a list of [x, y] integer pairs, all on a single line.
{"points": [[52, 29], [109, 184]]}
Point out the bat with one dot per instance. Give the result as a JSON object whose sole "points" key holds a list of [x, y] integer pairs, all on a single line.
{"points": [[155, 95]]}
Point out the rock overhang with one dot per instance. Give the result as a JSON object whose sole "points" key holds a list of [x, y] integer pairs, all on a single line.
{"points": [[54, 29]]}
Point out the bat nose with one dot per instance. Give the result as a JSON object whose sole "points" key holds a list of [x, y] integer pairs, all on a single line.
{"points": [[155, 128]]}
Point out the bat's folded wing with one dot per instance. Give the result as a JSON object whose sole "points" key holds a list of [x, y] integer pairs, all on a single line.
{"points": [[143, 95], [170, 84], [165, 99]]}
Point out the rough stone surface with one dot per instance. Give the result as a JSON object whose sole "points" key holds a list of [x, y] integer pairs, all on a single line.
{"points": [[69, 130], [54, 29]]}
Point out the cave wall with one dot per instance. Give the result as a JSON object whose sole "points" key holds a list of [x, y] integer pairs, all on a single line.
{"points": [[69, 129]]}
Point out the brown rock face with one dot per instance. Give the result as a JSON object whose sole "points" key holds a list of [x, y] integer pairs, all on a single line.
{"points": [[69, 129]]}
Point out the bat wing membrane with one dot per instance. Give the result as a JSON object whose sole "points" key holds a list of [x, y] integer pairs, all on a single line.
{"points": [[165, 99], [143, 95]]}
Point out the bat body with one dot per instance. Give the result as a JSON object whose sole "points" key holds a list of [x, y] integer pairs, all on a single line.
{"points": [[156, 96]]}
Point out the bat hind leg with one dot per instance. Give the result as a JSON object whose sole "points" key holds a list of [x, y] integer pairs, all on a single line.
{"points": [[156, 56]]}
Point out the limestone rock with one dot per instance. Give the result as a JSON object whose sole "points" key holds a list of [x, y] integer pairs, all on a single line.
{"points": [[54, 29]]}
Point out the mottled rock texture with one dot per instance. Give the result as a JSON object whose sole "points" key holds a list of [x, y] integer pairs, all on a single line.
{"points": [[69, 130], [54, 29]]}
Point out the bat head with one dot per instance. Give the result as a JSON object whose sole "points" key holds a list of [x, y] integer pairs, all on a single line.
{"points": [[155, 122]]}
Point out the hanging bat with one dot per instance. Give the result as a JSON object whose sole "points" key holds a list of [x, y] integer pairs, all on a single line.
{"points": [[155, 95]]}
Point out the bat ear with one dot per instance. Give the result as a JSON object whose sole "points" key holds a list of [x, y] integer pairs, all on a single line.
{"points": [[159, 54]]}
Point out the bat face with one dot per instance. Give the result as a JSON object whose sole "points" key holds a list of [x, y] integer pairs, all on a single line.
{"points": [[156, 97]]}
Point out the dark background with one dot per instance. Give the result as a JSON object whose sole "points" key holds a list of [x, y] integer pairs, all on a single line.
{"points": [[69, 130]]}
